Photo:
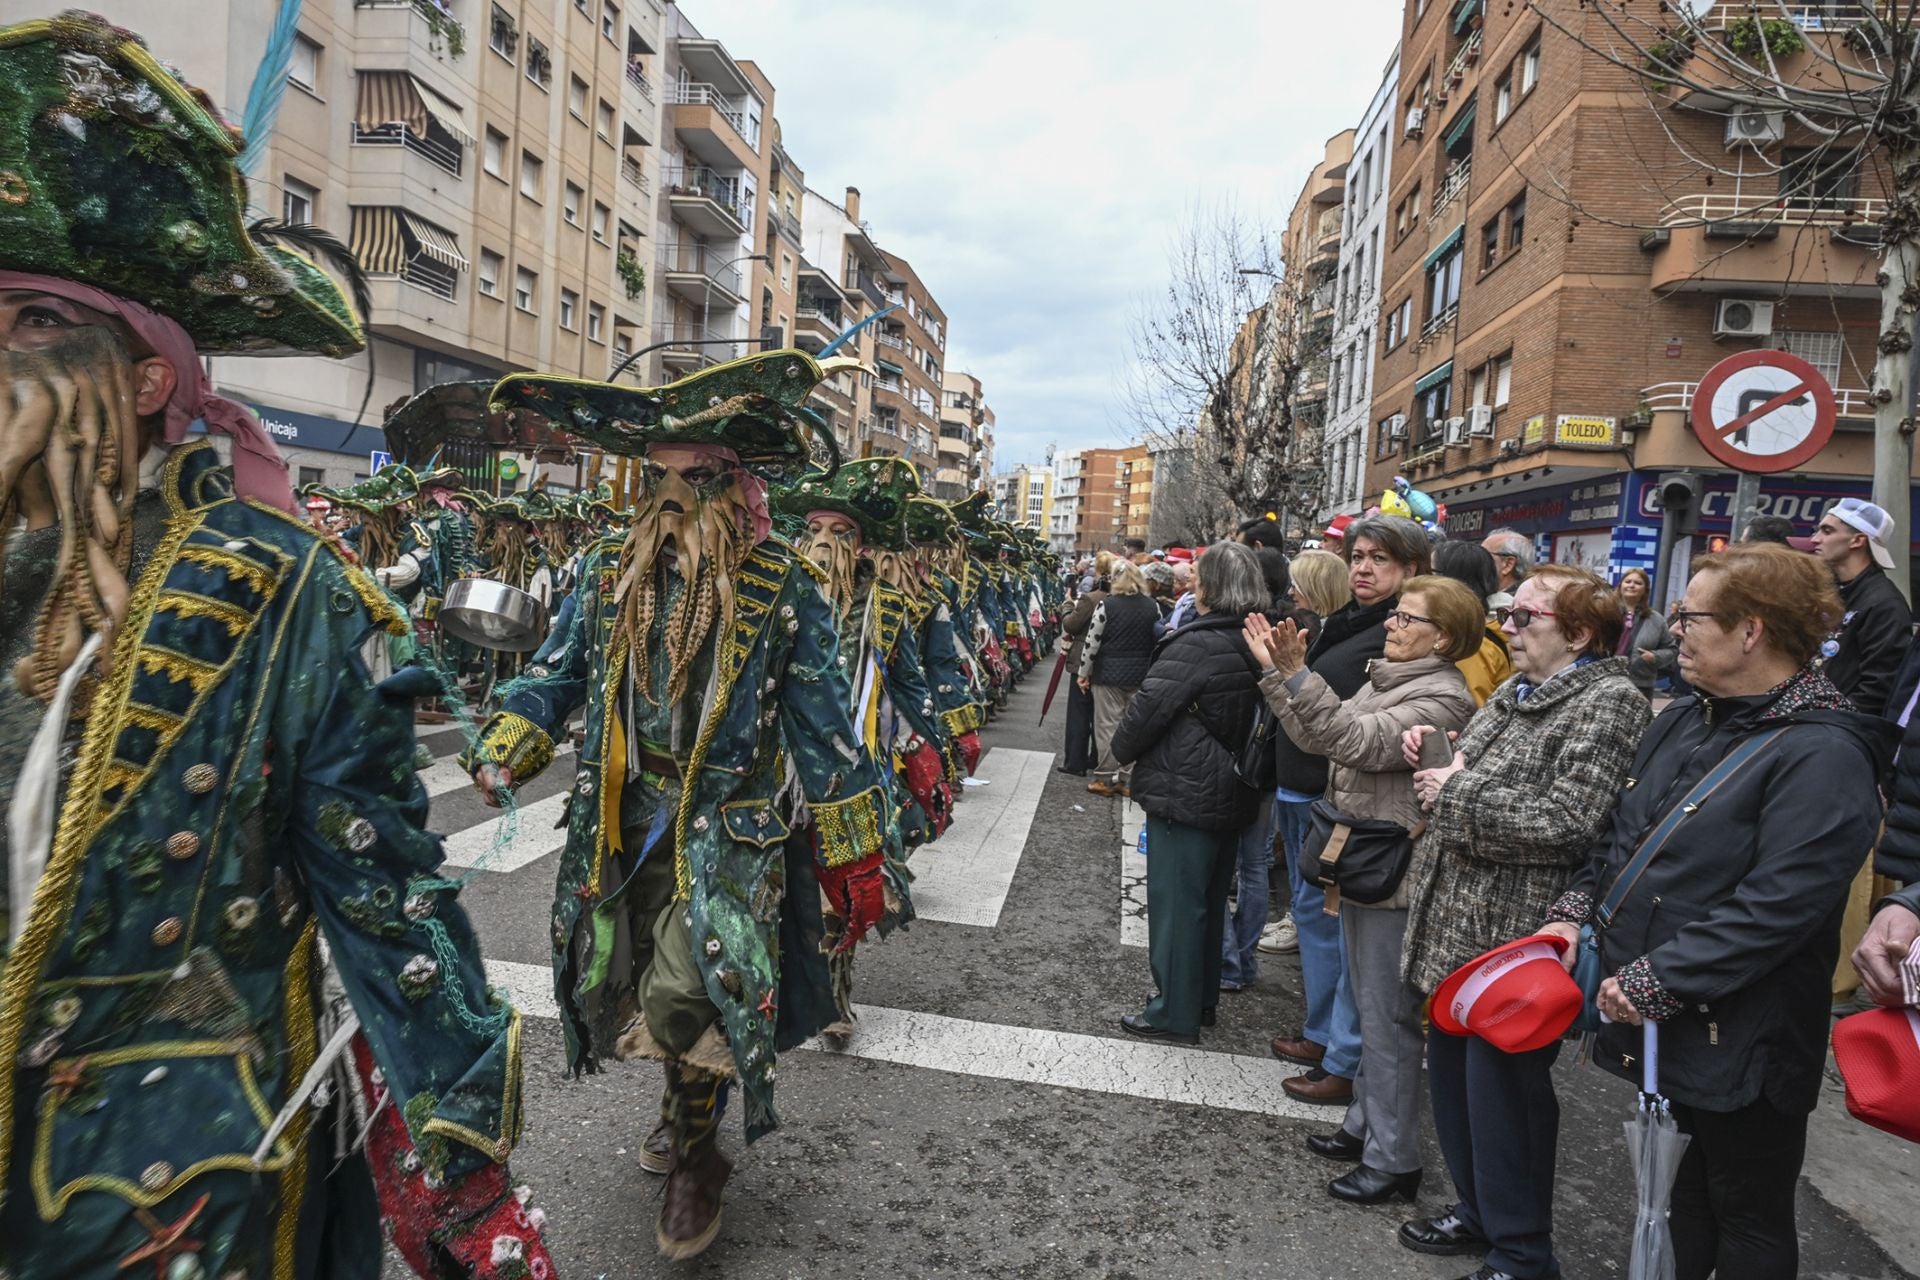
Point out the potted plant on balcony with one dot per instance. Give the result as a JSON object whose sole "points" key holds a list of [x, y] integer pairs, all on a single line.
{"points": [[442, 28], [631, 273]]}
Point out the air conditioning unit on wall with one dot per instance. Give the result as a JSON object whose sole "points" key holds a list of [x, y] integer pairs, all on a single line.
{"points": [[1397, 428], [1457, 432], [1416, 118], [1756, 126], [1742, 318], [1480, 421]]}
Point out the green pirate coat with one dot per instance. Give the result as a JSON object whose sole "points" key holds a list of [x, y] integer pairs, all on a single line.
{"points": [[775, 737], [242, 790], [944, 654]]}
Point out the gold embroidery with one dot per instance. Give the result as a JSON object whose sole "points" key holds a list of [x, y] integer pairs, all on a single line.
{"points": [[79, 819], [254, 574], [188, 604], [850, 829], [178, 667], [514, 742], [496, 1149], [164, 723], [303, 1046]]}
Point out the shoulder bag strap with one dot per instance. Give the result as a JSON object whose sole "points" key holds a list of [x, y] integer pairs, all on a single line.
{"points": [[1655, 840]]}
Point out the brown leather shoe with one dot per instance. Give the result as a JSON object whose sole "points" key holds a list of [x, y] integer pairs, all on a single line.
{"points": [[1320, 1088], [690, 1215], [656, 1152], [1101, 787], [1303, 1051]]}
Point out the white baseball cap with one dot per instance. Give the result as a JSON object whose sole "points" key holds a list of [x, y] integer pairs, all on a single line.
{"points": [[1871, 520]]}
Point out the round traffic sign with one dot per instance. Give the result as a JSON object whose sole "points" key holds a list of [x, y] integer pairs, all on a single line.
{"points": [[1763, 411]]}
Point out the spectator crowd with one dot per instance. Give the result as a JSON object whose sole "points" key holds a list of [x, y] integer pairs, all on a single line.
{"points": [[1417, 763]]}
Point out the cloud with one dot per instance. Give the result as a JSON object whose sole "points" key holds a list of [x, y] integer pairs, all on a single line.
{"points": [[1035, 162]]}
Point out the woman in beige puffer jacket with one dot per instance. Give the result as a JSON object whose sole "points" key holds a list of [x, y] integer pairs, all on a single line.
{"points": [[1438, 622]]}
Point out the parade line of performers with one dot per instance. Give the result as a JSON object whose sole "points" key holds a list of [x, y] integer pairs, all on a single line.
{"points": [[245, 1022]]}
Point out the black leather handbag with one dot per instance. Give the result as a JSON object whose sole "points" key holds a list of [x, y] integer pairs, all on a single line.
{"points": [[1364, 859]]}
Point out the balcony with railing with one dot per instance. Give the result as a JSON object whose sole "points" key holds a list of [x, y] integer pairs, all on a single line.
{"points": [[1855, 403], [705, 200], [691, 346], [1468, 55], [711, 124], [702, 274], [789, 225], [1452, 184], [1811, 243], [635, 176], [886, 338], [817, 320], [637, 77]]}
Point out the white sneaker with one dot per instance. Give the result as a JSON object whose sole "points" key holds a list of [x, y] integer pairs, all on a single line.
{"points": [[1279, 938]]}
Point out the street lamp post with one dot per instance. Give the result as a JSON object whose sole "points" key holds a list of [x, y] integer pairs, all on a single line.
{"points": [[706, 293]]}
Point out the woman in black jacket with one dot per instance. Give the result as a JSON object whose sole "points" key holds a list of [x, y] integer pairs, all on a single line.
{"points": [[1382, 553], [1181, 732], [1113, 661], [1727, 936]]}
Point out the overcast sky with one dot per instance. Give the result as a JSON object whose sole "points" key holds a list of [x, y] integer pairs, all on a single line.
{"points": [[1034, 161]]}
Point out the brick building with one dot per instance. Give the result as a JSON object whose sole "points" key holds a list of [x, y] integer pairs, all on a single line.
{"points": [[1559, 274]]}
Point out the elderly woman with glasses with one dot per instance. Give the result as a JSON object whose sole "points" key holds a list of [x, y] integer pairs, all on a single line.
{"points": [[1437, 622], [1513, 813], [1727, 935]]}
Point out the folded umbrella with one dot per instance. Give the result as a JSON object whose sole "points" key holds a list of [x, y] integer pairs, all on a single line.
{"points": [[1655, 1143], [1059, 665]]}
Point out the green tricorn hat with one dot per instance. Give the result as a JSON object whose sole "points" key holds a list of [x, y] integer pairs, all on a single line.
{"points": [[116, 174], [930, 522], [874, 492], [756, 406], [387, 486], [974, 513]]}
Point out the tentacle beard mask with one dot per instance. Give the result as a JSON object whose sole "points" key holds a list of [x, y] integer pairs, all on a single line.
{"points": [[70, 456], [701, 515], [835, 549]]}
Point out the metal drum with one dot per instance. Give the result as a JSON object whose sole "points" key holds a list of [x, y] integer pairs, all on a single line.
{"points": [[493, 615]]}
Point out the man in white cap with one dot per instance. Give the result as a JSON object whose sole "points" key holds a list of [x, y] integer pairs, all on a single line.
{"points": [[1863, 654]]}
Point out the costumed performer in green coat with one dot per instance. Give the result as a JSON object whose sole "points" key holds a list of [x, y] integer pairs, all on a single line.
{"points": [[686, 920], [206, 792]]}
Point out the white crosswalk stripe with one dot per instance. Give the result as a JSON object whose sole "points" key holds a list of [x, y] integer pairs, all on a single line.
{"points": [[534, 838], [963, 877], [1027, 1055]]}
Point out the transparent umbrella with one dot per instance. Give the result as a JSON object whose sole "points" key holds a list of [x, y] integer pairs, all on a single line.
{"points": [[1656, 1145]]}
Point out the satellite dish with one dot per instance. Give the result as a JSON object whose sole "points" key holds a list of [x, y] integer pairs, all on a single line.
{"points": [[1691, 10]]}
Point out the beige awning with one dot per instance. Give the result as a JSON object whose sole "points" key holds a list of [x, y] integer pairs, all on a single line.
{"points": [[376, 240], [396, 97], [432, 241]]}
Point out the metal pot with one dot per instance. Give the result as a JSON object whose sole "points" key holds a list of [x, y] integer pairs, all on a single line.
{"points": [[493, 615]]}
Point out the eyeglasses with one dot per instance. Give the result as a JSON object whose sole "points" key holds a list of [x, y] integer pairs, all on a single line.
{"points": [[1522, 617], [1400, 617], [1683, 618]]}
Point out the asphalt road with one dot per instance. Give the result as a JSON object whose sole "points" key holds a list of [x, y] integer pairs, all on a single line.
{"points": [[991, 1120]]}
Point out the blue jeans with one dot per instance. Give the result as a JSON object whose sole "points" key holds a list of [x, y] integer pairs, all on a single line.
{"points": [[1332, 1017], [1247, 916]]}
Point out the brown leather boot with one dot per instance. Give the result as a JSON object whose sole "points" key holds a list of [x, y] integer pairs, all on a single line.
{"points": [[1298, 1050], [1320, 1087], [690, 1213]]}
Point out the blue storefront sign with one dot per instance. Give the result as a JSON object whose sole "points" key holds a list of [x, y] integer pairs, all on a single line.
{"points": [[1801, 499], [310, 431]]}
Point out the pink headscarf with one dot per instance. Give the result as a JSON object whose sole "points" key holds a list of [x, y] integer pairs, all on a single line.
{"points": [[753, 490], [259, 472]]}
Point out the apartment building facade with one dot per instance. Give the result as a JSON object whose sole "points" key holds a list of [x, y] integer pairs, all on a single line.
{"points": [[1561, 271], [1312, 289], [838, 286], [963, 410], [1356, 301], [471, 153], [1024, 496], [1089, 508], [716, 155], [1135, 482], [910, 357]]}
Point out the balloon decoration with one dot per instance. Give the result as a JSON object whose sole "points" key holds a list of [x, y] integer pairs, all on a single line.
{"points": [[1413, 504]]}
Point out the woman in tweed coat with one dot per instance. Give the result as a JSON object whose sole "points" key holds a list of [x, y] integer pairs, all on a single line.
{"points": [[1528, 791]]}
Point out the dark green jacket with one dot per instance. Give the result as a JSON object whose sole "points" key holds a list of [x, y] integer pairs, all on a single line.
{"points": [[242, 792]]}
